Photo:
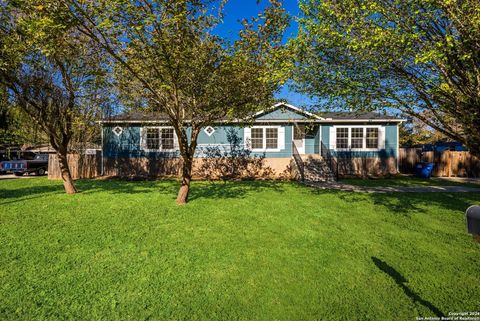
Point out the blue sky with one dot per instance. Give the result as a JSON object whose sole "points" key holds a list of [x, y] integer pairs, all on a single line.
{"points": [[236, 10]]}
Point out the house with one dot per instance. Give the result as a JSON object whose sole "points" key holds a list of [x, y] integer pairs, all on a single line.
{"points": [[313, 146]]}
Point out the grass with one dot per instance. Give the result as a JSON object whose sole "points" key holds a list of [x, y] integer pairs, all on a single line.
{"points": [[408, 181], [238, 251]]}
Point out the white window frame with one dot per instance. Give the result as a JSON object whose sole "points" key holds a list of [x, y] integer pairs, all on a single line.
{"points": [[364, 138], [378, 138], [264, 140], [143, 137], [349, 132]]}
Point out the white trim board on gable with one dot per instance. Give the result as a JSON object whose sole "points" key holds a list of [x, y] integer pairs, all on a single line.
{"points": [[287, 106]]}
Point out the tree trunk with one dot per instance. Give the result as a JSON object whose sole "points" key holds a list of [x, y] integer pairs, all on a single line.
{"points": [[182, 197], [66, 176]]}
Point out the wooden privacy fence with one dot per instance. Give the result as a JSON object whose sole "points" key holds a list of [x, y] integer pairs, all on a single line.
{"points": [[81, 166], [447, 163]]}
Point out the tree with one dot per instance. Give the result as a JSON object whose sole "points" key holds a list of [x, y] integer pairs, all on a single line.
{"points": [[167, 52], [16, 129], [415, 132], [49, 71], [421, 57]]}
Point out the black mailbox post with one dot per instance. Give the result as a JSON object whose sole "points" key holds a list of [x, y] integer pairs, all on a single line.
{"points": [[472, 215]]}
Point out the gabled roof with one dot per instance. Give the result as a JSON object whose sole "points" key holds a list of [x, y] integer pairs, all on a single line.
{"points": [[272, 114], [287, 106]]}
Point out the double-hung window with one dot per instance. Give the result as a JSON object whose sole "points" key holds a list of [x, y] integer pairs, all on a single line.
{"points": [[257, 138], [372, 138], [167, 138], [158, 139], [357, 138], [152, 138], [271, 138], [264, 138], [342, 138]]}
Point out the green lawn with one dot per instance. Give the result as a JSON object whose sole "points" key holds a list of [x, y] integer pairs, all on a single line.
{"points": [[238, 251], [407, 182]]}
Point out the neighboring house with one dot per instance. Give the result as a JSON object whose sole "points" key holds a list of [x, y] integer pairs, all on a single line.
{"points": [[288, 137]]}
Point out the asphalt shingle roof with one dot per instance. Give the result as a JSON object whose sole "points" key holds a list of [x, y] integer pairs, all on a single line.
{"points": [[159, 116], [355, 115], [138, 116]]}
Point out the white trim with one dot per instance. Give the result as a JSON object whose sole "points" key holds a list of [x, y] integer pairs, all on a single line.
{"points": [[241, 121], [265, 140], [281, 138], [132, 121], [143, 143], [363, 149], [288, 106], [320, 136], [398, 149], [362, 121]]}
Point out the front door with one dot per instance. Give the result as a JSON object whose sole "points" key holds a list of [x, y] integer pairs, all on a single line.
{"points": [[299, 138]]}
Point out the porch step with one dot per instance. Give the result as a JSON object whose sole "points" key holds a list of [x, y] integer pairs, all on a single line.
{"points": [[317, 170]]}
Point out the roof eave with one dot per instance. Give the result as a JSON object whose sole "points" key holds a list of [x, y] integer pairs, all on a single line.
{"points": [[362, 120], [288, 106]]}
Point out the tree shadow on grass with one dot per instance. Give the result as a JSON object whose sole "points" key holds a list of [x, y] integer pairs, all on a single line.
{"points": [[13, 195], [407, 203], [198, 190], [122, 186], [401, 282], [234, 189]]}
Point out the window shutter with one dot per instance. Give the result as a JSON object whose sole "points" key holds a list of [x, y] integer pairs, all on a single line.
{"points": [[281, 138], [381, 138], [333, 138], [143, 138], [247, 134]]}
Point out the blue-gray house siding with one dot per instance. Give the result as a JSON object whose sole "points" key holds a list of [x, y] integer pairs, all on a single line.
{"points": [[128, 143], [390, 150]]}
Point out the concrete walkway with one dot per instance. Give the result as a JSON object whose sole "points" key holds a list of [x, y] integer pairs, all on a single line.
{"points": [[393, 189]]}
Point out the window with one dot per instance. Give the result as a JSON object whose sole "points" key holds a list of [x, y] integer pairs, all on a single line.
{"points": [[153, 138], [265, 138], [167, 138], [272, 138], [357, 138], [159, 138], [372, 137], [342, 137], [257, 138]]}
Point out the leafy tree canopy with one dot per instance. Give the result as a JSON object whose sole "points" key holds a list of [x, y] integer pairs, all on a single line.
{"points": [[410, 55], [167, 58], [51, 71]]}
